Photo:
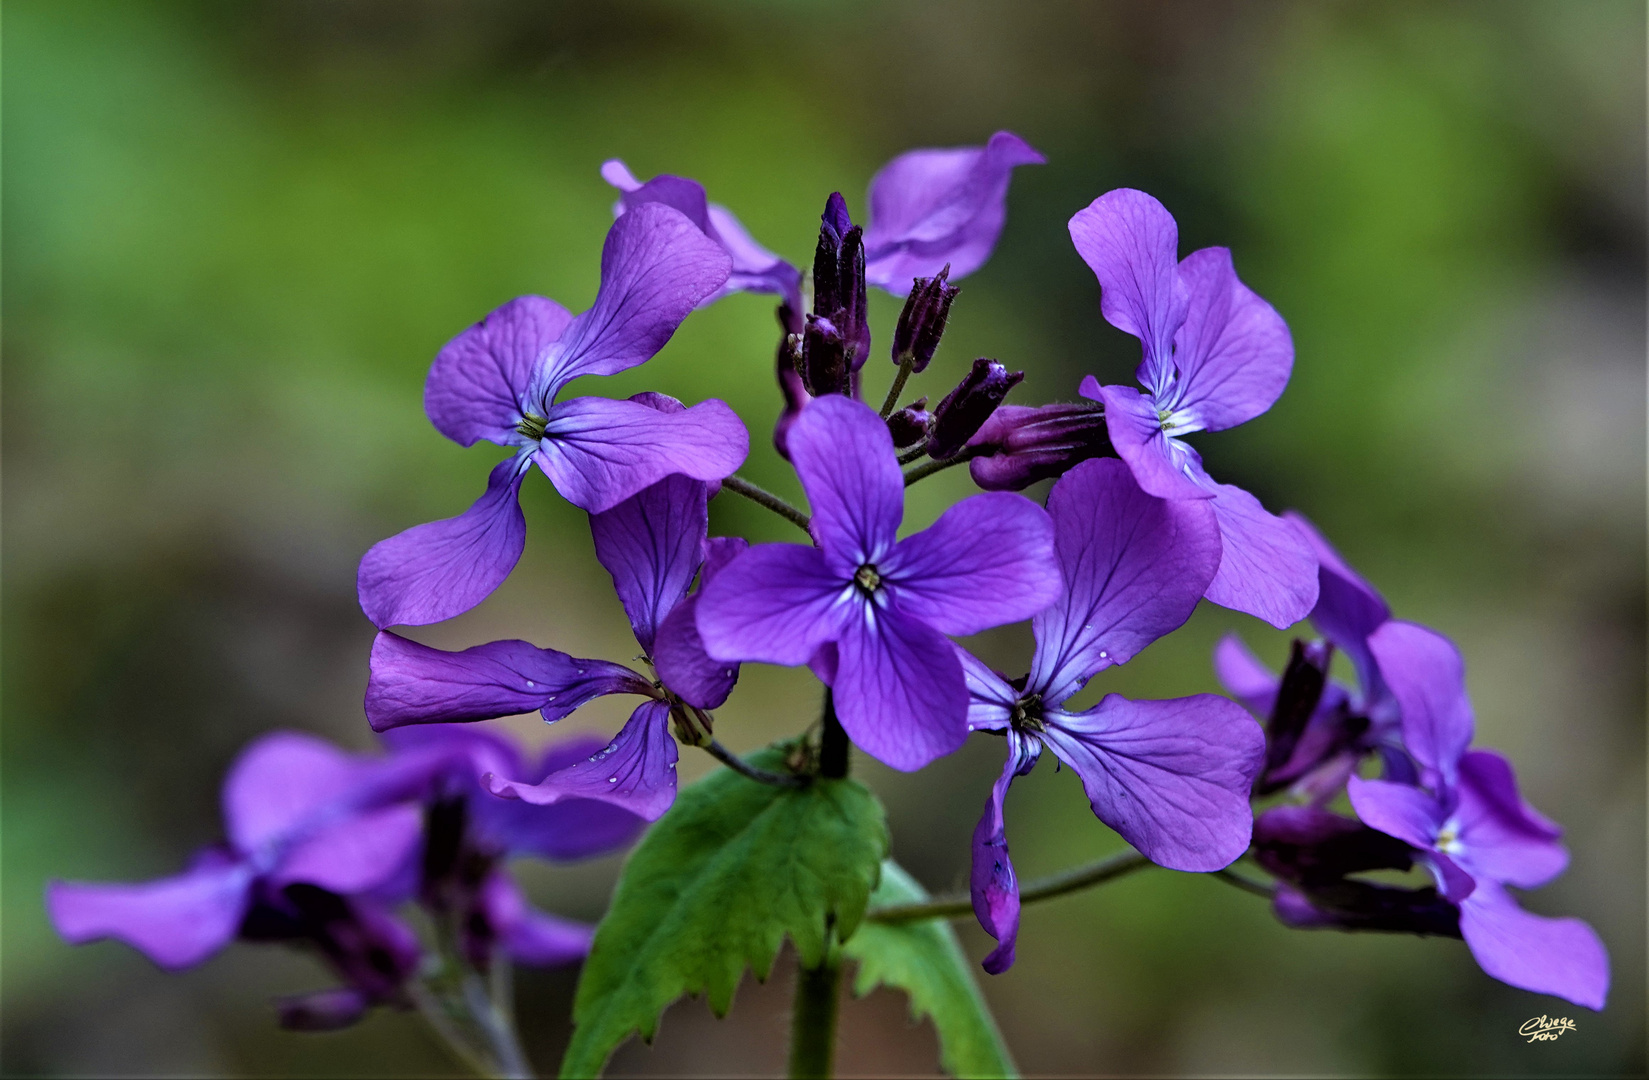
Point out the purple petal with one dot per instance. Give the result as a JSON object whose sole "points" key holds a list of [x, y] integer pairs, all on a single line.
{"points": [[899, 690], [656, 266], [1234, 353], [1266, 566], [993, 885], [281, 783], [987, 561], [683, 664], [1502, 837], [1408, 813], [1158, 462], [357, 853], [1243, 676], [635, 772], [1134, 568], [776, 603], [440, 569], [844, 457], [990, 698], [176, 922], [1131, 243], [932, 207], [652, 543], [1172, 777], [411, 683], [481, 377], [530, 936], [1348, 608], [1564, 957], [322, 1010], [565, 831], [599, 452], [1427, 676]]}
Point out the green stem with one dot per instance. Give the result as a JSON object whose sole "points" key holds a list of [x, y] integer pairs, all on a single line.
{"points": [[898, 386], [813, 1024], [741, 486], [834, 746], [1083, 877], [913, 453], [744, 768], [1245, 884], [922, 472]]}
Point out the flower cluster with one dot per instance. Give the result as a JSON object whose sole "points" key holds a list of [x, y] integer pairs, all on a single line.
{"points": [[1134, 532]]}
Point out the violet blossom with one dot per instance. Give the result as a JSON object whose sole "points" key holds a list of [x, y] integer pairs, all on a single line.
{"points": [[869, 612], [1172, 777], [499, 380], [1215, 355], [653, 544], [1472, 829]]}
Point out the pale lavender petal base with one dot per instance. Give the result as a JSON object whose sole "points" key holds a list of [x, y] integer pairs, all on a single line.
{"points": [[480, 377], [1158, 462]]}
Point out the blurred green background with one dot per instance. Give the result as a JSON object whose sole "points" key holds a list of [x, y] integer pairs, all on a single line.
{"points": [[235, 235]]}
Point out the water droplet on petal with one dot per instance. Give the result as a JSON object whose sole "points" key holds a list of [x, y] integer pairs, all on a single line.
{"points": [[612, 779], [531, 684], [1103, 655]]}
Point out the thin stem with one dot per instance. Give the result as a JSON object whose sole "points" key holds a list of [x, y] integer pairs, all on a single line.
{"points": [[922, 472], [834, 746], [898, 386], [1245, 884], [744, 768], [434, 1011], [1083, 877], [813, 1024], [755, 494], [504, 1046], [913, 453]]}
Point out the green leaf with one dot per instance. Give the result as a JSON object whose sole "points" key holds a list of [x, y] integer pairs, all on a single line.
{"points": [[716, 885], [924, 959]]}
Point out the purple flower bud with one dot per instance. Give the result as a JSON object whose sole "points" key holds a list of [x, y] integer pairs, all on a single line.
{"points": [[825, 358], [322, 1010], [910, 424], [1298, 693], [1361, 905], [839, 280], [1311, 847], [1029, 444], [966, 408], [922, 323]]}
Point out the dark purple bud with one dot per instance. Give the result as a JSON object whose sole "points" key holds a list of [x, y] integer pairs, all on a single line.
{"points": [[1298, 693], [825, 360], [966, 408], [1361, 905], [323, 1010], [1312, 847], [922, 323], [369, 948], [839, 280], [910, 424], [1021, 445]]}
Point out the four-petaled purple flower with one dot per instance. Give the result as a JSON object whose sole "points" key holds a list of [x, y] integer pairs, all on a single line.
{"points": [[653, 544], [498, 381], [1215, 355], [1472, 828], [1172, 777], [868, 611]]}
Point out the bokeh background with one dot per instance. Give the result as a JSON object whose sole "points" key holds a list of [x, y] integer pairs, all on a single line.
{"points": [[235, 235]]}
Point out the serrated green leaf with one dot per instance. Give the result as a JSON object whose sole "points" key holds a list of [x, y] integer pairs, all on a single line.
{"points": [[925, 960], [716, 885]]}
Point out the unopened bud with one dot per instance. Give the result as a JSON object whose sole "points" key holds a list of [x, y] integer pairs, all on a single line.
{"points": [[839, 280], [910, 424], [966, 408], [922, 323], [824, 358], [1020, 445]]}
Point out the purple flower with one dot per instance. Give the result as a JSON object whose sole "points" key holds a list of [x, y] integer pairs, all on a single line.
{"points": [[755, 269], [1215, 355], [1172, 777], [1472, 828], [869, 612], [653, 544], [933, 207], [1018, 445], [498, 381]]}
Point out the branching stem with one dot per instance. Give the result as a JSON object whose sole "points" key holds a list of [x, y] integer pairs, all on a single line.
{"points": [[766, 498], [1083, 877], [744, 768], [914, 453], [898, 386], [922, 472]]}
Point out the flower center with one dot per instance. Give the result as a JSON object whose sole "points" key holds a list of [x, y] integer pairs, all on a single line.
{"points": [[868, 578], [1448, 840], [532, 426], [1027, 714]]}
